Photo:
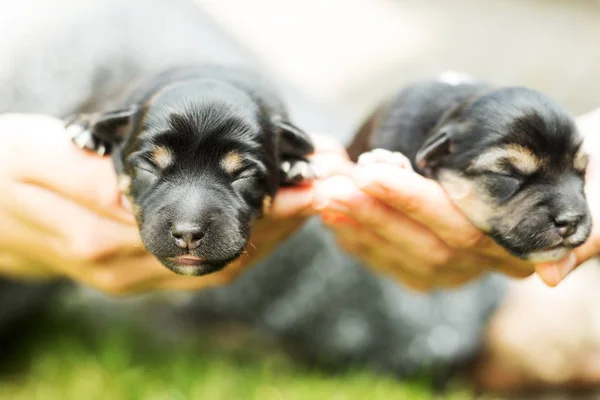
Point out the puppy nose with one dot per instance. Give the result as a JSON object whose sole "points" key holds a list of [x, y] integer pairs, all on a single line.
{"points": [[567, 225], [187, 236]]}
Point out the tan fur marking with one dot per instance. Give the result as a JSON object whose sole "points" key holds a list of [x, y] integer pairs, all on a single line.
{"points": [[469, 198], [581, 159], [162, 157], [232, 162], [520, 157], [266, 205]]}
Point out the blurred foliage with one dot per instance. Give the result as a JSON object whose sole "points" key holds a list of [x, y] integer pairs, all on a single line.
{"points": [[69, 360]]}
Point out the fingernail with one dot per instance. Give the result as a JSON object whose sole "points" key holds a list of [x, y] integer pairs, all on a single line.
{"points": [[366, 158], [554, 273], [332, 218], [334, 206]]}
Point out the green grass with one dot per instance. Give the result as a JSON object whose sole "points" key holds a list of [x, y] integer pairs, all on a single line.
{"points": [[66, 360]]}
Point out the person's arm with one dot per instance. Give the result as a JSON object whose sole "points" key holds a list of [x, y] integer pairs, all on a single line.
{"points": [[61, 214], [405, 226]]}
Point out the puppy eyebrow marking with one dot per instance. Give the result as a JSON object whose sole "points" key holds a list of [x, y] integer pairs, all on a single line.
{"points": [[519, 157], [266, 204], [162, 157], [232, 162], [580, 161]]}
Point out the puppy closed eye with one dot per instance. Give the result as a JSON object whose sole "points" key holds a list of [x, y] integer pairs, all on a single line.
{"points": [[504, 186], [249, 184], [144, 177], [246, 177], [145, 172]]}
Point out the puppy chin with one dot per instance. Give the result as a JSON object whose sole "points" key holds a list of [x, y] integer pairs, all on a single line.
{"points": [[195, 266], [546, 255]]}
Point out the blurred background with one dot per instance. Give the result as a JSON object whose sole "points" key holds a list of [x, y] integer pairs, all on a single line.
{"points": [[342, 57], [349, 54]]}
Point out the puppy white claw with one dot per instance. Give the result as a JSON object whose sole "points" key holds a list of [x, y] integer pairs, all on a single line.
{"points": [[84, 139], [297, 171], [382, 156], [285, 167]]}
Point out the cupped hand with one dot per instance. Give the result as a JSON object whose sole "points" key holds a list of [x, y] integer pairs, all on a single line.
{"points": [[405, 226], [61, 214]]}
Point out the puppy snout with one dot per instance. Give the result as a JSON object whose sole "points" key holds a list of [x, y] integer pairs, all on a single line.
{"points": [[566, 225], [187, 236]]}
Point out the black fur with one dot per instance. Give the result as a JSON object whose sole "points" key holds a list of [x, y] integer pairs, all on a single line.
{"points": [[444, 127], [199, 114]]}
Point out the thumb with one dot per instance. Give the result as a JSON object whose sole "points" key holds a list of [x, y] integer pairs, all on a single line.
{"points": [[553, 273], [300, 200]]}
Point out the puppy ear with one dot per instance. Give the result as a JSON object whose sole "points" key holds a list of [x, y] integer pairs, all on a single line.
{"points": [[101, 132], [114, 125], [293, 141], [294, 145], [434, 148]]}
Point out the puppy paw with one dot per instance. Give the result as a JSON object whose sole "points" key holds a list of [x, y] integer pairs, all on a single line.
{"points": [[382, 156], [295, 172], [84, 138]]}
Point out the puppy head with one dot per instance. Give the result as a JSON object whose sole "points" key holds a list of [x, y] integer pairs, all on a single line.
{"points": [[512, 161], [199, 164]]}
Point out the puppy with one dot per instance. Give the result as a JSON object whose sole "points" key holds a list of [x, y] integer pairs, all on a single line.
{"points": [[511, 159], [200, 151]]}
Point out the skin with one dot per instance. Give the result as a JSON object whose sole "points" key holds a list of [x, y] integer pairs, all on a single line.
{"points": [[541, 336], [412, 232], [77, 227], [560, 346], [61, 214], [98, 243]]}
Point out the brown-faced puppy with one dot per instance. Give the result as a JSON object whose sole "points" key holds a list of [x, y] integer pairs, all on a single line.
{"points": [[200, 151], [510, 158]]}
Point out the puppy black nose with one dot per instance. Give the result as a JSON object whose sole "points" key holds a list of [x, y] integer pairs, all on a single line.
{"points": [[187, 236], [567, 225]]}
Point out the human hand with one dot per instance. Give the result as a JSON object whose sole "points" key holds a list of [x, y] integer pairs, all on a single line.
{"points": [[404, 225], [61, 214]]}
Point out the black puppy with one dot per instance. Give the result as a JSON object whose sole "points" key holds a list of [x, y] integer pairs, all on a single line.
{"points": [[510, 158], [200, 151]]}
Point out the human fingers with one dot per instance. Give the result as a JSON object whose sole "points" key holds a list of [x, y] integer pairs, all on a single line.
{"points": [[419, 198], [40, 152], [340, 195], [381, 255], [70, 230], [326, 144], [379, 156], [299, 200]]}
